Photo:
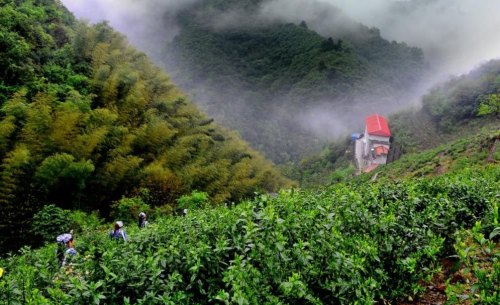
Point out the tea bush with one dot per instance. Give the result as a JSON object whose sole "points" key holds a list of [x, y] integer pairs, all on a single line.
{"points": [[50, 221], [128, 209], [346, 244], [194, 201], [479, 255]]}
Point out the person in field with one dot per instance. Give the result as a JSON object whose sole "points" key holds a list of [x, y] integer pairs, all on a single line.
{"points": [[142, 220], [118, 233], [65, 249]]}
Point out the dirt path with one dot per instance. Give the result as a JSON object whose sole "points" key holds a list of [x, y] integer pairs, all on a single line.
{"points": [[435, 290], [493, 151]]}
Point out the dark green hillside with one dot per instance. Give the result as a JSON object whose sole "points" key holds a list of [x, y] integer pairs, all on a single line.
{"points": [[457, 108], [32, 39], [260, 77], [346, 244], [85, 119]]}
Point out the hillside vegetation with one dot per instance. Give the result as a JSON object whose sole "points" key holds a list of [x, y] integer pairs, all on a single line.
{"points": [[91, 129], [85, 119], [481, 149], [456, 126], [346, 244], [457, 108], [262, 77]]}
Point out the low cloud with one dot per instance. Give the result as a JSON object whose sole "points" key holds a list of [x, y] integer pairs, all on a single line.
{"points": [[148, 24], [456, 36]]}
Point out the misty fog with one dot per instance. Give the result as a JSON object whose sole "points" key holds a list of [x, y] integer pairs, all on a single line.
{"points": [[143, 21], [455, 36]]}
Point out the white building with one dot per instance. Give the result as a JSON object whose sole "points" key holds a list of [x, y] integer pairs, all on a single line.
{"points": [[371, 148]]}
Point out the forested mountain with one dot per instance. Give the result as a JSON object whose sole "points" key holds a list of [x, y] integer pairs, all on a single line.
{"points": [[268, 78], [86, 119], [91, 131]]}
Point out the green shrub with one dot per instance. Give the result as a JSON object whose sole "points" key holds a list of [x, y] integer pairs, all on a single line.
{"points": [[51, 221], [81, 221], [128, 209], [161, 211], [196, 200], [342, 174], [480, 257]]}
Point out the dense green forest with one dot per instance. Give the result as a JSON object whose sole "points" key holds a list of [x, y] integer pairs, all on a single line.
{"points": [[86, 119], [261, 77]]}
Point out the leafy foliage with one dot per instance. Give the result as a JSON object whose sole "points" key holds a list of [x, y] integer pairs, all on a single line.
{"points": [[194, 201], [128, 209], [466, 153], [490, 105], [49, 222], [346, 244], [480, 257], [452, 110]]}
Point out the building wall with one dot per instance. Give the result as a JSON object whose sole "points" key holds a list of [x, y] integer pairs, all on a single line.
{"points": [[359, 152], [382, 159], [362, 150], [380, 139]]}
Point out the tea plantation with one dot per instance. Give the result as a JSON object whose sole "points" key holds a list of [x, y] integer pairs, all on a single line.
{"points": [[356, 243]]}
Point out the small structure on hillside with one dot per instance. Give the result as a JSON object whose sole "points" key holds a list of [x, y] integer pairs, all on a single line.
{"points": [[372, 147]]}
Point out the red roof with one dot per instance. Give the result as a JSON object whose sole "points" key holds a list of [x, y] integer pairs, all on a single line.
{"points": [[377, 126], [381, 150]]}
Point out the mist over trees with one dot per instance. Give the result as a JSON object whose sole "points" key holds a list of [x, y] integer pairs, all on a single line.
{"points": [[453, 109], [269, 79], [91, 131], [279, 79], [432, 25]]}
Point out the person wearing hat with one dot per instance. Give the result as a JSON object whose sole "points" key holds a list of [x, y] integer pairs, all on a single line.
{"points": [[142, 220], [118, 233], [65, 249]]}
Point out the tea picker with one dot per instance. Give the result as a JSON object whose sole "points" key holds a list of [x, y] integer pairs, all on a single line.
{"points": [[118, 232], [65, 250]]}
